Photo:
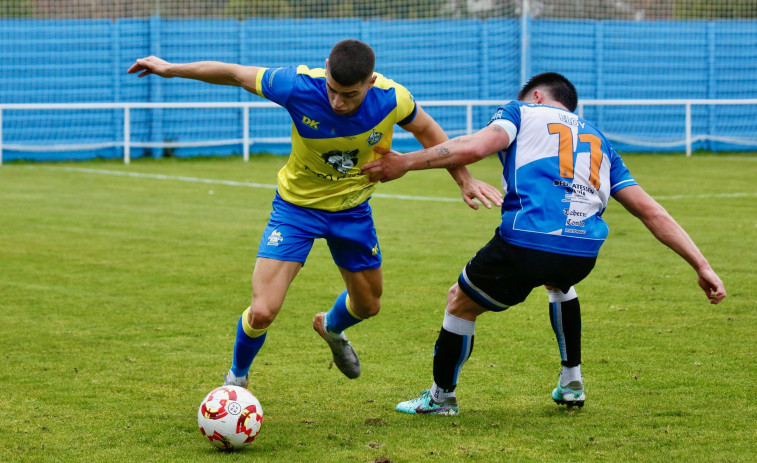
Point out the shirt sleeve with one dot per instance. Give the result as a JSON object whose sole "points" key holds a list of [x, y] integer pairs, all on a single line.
{"points": [[508, 117], [276, 84], [406, 109], [620, 176]]}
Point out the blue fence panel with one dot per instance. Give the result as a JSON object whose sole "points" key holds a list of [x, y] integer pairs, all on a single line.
{"points": [[61, 61], [308, 42], [567, 47], [56, 61], [501, 77]]}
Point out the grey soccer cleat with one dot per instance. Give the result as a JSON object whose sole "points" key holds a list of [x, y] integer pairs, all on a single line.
{"points": [[229, 379], [345, 356]]}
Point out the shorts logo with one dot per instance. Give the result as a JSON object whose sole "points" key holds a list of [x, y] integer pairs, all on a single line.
{"points": [[275, 238], [375, 250], [374, 137], [342, 161]]}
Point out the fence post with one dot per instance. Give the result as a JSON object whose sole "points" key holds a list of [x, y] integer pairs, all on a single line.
{"points": [[1, 136], [246, 133], [127, 135], [115, 48], [469, 119], [599, 38], [524, 71], [156, 88], [484, 74], [711, 83], [688, 130]]}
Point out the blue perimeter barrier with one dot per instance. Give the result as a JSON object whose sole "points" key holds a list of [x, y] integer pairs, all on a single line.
{"points": [[74, 61]]}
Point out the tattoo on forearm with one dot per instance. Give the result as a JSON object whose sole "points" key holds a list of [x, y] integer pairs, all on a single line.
{"points": [[439, 152]]}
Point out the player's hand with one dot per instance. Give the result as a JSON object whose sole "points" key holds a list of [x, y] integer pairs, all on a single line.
{"points": [[150, 65], [711, 284], [482, 191], [390, 166]]}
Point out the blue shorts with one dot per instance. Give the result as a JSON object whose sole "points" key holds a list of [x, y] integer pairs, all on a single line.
{"points": [[350, 234]]}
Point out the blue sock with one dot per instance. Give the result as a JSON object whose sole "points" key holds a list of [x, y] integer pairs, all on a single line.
{"points": [[339, 318], [245, 349]]}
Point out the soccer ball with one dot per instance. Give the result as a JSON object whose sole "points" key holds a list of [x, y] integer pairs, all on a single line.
{"points": [[230, 417]]}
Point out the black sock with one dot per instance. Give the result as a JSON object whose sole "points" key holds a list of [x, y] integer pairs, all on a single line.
{"points": [[450, 353], [566, 323]]}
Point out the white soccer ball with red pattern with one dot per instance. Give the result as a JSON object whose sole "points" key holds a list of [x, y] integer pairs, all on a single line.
{"points": [[230, 417]]}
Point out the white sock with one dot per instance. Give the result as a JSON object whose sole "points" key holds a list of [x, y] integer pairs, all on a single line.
{"points": [[331, 334], [569, 374], [458, 326], [438, 395]]}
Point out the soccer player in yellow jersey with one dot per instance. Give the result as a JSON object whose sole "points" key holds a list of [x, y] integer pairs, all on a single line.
{"points": [[343, 116]]}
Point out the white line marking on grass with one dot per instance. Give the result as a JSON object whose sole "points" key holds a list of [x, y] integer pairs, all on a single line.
{"points": [[267, 186], [705, 196], [119, 173]]}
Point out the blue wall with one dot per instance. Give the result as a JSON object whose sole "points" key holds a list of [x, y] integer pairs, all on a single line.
{"points": [[61, 61]]}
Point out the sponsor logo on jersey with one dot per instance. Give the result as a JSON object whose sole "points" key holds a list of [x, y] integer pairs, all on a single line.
{"points": [[342, 161], [374, 137], [310, 122]]}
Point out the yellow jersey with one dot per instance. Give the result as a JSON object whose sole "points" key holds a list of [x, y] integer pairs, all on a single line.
{"points": [[329, 149]]}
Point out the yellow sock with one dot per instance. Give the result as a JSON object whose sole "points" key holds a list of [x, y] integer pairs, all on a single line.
{"points": [[248, 329], [349, 309]]}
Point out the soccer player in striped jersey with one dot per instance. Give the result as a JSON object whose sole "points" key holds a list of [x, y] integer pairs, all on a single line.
{"points": [[559, 172], [343, 115]]}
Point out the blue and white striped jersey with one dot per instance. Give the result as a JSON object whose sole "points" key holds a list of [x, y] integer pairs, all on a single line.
{"points": [[558, 174]]}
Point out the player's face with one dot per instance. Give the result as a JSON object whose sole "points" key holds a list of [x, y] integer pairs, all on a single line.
{"points": [[346, 99]]}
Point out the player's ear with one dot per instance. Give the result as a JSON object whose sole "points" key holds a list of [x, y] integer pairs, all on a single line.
{"points": [[326, 66], [538, 96]]}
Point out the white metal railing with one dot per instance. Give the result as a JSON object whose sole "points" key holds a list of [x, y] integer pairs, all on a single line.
{"points": [[246, 141]]}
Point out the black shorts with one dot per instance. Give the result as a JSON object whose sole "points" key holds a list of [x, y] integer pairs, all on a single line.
{"points": [[502, 275]]}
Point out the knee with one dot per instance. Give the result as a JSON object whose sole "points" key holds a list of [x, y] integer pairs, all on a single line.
{"points": [[460, 305], [453, 295], [366, 309], [260, 316]]}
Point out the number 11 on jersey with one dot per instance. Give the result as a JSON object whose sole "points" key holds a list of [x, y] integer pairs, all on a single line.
{"points": [[566, 155]]}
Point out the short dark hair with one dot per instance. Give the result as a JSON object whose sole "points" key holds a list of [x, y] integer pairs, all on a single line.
{"points": [[559, 88], [351, 61]]}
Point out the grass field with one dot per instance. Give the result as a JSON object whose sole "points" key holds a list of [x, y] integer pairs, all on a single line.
{"points": [[120, 295]]}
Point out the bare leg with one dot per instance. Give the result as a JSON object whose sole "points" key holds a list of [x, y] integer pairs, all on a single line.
{"points": [[270, 281]]}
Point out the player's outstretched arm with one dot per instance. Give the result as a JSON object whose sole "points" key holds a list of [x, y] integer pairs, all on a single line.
{"points": [[671, 234], [429, 133], [212, 72], [459, 151]]}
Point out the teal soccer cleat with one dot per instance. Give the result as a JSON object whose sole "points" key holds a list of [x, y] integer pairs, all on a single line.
{"points": [[572, 394], [425, 405]]}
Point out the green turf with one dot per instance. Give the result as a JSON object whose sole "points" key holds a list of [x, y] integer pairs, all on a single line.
{"points": [[120, 296]]}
